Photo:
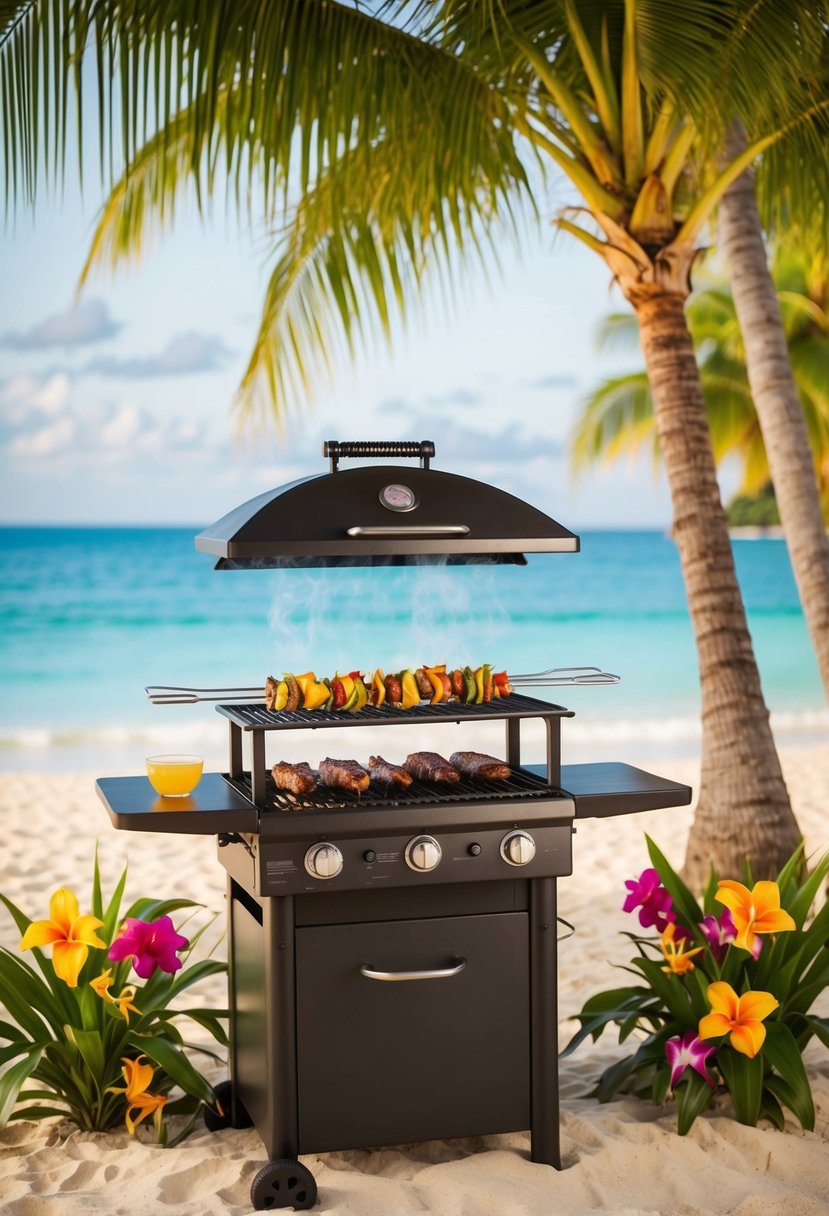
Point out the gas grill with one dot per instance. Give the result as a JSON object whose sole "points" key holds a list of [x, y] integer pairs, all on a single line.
{"points": [[393, 954]]}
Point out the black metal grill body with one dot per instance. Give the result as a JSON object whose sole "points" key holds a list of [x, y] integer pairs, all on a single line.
{"points": [[325, 1056]]}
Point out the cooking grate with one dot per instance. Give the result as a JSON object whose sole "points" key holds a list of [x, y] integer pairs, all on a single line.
{"points": [[521, 785], [256, 717]]}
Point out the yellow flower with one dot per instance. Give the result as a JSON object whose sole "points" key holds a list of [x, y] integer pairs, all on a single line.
{"points": [[69, 934], [102, 984], [754, 911], [676, 956], [739, 1016], [124, 1002], [138, 1076]]}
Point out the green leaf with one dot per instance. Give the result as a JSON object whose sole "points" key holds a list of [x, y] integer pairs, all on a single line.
{"points": [[693, 1095], [744, 1080], [772, 1110], [13, 1080], [670, 989], [9, 1031], [110, 917], [175, 1064], [792, 1087], [820, 1026], [97, 899], [802, 902], [39, 1112], [90, 1045], [687, 908], [26, 997]]}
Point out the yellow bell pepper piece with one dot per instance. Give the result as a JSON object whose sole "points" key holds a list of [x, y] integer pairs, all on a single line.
{"points": [[315, 695], [378, 683], [304, 680], [437, 685], [281, 699], [411, 694], [479, 685]]}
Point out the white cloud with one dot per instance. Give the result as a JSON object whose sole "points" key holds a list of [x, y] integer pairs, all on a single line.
{"points": [[50, 440], [80, 324], [23, 394]]}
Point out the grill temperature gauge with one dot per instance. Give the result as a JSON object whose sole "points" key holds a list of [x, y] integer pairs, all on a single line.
{"points": [[423, 853], [323, 861], [518, 848]]}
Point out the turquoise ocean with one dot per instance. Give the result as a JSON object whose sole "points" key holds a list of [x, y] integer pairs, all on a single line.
{"points": [[90, 616]]}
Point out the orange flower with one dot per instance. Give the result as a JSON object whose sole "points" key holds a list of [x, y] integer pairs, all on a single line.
{"points": [[676, 956], [739, 1016], [138, 1076], [755, 911], [68, 933], [102, 984], [124, 1002]]}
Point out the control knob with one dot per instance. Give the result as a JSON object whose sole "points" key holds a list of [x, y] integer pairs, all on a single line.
{"points": [[323, 860], [518, 848], [423, 853]]}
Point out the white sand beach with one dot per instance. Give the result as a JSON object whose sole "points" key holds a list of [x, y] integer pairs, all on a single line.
{"points": [[623, 1158]]}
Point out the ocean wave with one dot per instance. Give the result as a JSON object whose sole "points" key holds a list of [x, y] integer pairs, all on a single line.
{"points": [[199, 735]]}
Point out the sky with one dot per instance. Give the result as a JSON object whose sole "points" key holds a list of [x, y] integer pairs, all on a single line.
{"points": [[116, 403]]}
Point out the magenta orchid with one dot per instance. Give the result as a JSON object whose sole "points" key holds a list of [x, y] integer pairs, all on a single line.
{"points": [[656, 904], [721, 932], [688, 1051], [150, 944]]}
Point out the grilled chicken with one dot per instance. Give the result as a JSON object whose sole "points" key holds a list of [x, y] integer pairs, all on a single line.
{"points": [[429, 766], [344, 775], [295, 778], [387, 774], [477, 764]]}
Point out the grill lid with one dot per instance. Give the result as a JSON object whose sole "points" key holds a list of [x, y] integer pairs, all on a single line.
{"points": [[381, 515]]}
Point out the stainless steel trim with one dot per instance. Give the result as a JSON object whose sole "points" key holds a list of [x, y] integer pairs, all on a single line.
{"points": [[523, 837], [404, 530], [391, 977], [429, 844]]}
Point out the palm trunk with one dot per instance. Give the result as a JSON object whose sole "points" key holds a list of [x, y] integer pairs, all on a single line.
{"points": [[743, 809], [778, 409]]}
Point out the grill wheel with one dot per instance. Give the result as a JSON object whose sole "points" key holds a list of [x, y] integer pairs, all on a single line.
{"points": [[283, 1184]]}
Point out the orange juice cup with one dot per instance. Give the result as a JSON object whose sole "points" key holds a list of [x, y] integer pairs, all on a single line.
{"points": [[174, 776]]}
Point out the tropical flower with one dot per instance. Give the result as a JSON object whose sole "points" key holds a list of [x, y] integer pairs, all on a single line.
{"points": [[673, 942], [720, 933], [124, 1002], [656, 903], [687, 1051], [739, 1016], [754, 911], [150, 944], [138, 1076], [101, 985], [68, 933]]}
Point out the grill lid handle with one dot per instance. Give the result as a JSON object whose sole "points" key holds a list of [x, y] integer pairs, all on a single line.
{"points": [[378, 449], [397, 530]]}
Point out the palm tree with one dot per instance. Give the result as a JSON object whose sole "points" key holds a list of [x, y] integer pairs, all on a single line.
{"points": [[617, 416], [775, 393], [390, 140]]}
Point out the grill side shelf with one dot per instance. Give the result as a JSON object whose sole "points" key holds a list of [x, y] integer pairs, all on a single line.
{"points": [[255, 717]]}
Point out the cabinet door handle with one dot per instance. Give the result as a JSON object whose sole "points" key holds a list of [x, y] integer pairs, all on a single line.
{"points": [[404, 530], [442, 973]]}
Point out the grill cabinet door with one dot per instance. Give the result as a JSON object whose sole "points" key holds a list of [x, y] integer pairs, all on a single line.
{"points": [[384, 1062]]}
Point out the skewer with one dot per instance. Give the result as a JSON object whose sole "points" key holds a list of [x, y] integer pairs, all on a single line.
{"points": [[554, 677]]}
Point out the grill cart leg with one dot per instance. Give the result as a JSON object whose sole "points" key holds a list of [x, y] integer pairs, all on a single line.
{"points": [[544, 1105]]}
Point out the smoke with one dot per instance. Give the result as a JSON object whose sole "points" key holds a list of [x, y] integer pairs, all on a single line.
{"points": [[390, 617]]}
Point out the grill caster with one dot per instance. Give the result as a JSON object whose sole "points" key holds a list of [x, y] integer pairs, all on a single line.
{"points": [[216, 1122], [283, 1184]]}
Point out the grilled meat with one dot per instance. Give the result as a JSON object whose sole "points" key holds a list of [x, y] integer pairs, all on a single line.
{"points": [[344, 775], [295, 778], [477, 764], [271, 685], [429, 766], [385, 773], [424, 685], [394, 689], [457, 683]]}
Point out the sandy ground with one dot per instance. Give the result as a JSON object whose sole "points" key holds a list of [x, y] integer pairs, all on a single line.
{"points": [[623, 1158]]}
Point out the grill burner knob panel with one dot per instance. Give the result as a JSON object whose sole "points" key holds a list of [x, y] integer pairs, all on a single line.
{"points": [[518, 848], [323, 861], [423, 853]]}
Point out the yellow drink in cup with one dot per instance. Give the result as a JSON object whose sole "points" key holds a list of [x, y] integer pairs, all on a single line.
{"points": [[174, 776]]}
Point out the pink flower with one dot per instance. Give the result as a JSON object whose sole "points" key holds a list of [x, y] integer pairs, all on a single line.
{"points": [[720, 933], [150, 944], [656, 903], [688, 1052]]}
